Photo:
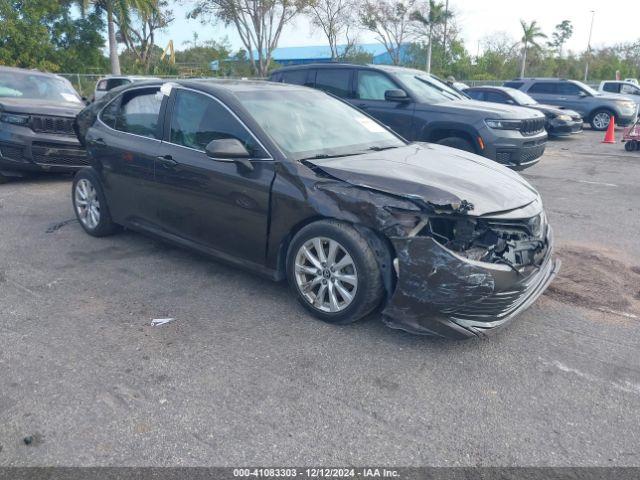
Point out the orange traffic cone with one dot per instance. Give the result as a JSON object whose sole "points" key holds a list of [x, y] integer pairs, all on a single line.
{"points": [[610, 136]]}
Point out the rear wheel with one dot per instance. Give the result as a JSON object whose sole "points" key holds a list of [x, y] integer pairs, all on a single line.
{"points": [[631, 146], [90, 205], [3, 179], [457, 142], [333, 272], [600, 120]]}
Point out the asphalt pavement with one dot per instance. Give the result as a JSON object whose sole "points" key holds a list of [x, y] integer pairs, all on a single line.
{"points": [[243, 375]]}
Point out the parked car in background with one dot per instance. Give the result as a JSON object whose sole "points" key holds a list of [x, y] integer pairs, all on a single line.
{"points": [[560, 122], [595, 107], [37, 111], [113, 81], [624, 87], [422, 108], [293, 183]]}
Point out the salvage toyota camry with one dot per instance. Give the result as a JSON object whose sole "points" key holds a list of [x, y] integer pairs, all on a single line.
{"points": [[293, 183]]}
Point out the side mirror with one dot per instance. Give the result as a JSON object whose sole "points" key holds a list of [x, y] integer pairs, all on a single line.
{"points": [[583, 94], [227, 148], [230, 149], [396, 95]]}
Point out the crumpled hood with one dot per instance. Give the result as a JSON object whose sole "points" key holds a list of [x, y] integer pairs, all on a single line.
{"points": [[40, 107], [487, 109], [437, 175]]}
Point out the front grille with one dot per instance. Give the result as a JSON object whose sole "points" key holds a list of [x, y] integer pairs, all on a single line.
{"points": [[530, 154], [56, 154], [12, 152], [51, 124], [532, 126]]}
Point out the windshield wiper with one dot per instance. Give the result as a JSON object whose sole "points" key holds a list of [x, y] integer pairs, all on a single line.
{"points": [[379, 149], [321, 156]]}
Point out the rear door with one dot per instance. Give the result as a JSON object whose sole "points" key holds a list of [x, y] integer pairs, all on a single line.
{"points": [[545, 92], [126, 141], [574, 98], [212, 202], [370, 88]]}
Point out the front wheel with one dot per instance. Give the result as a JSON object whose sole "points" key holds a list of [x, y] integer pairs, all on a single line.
{"points": [[90, 204], [600, 120], [333, 272]]}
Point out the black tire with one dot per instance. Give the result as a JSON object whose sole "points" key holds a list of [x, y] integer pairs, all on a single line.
{"points": [[457, 142], [369, 291], [3, 179], [592, 118], [105, 225], [630, 146]]}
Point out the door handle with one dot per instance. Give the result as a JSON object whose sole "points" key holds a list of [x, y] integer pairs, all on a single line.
{"points": [[167, 160]]}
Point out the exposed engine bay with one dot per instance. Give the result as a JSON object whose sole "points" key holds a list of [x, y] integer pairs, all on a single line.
{"points": [[516, 243]]}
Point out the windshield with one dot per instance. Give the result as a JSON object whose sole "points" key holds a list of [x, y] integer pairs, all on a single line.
{"points": [[307, 124], [521, 98], [36, 87], [426, 89]]}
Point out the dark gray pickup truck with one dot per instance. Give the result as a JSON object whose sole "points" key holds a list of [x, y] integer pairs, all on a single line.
{"points": [[421, 108]]}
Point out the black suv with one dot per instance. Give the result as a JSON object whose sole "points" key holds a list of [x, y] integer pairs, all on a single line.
{"points": [[422, 108], [37, 111]]}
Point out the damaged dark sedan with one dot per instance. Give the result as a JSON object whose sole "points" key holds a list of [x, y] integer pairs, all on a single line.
{"points": [[295, 184]]}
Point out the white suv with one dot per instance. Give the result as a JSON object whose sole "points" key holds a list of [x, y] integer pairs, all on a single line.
{"points": [[624, 87]]}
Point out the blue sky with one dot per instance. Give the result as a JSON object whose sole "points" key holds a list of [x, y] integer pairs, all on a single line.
{"points": [[615, 21]]}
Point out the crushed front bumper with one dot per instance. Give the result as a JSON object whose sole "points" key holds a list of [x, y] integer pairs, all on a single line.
{"points": [[441, 293]]}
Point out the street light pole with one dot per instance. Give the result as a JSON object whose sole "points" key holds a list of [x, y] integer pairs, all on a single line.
{"points": [[586, 67]]}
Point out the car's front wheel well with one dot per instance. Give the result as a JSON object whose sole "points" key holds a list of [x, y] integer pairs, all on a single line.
{"points": [[434, 136], [380, 244]]}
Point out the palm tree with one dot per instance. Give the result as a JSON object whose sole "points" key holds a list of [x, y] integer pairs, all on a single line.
{"points": [[530, 34], [119, 9], [438, 14]]}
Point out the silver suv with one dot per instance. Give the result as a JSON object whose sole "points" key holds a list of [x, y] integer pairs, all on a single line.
{"points": [[595, 107]]}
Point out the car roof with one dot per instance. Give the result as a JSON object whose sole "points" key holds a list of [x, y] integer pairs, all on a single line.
{"points": [[216, 85], [494, 87], [29, 71], [340, 65]]}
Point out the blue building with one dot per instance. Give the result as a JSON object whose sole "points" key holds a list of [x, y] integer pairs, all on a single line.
{"points": [[322, 54]]}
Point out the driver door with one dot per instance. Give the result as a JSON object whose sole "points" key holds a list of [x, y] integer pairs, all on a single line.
{"points": [[370, 88]]}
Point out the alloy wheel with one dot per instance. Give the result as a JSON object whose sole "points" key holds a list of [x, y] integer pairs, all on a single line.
{"points": [[87, 204], [601, 120], [326, 274]]}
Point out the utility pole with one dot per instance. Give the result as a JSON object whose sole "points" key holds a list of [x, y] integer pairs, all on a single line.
{"points": [[586, 67]]}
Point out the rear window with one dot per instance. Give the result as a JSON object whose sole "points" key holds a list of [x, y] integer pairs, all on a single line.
{"points": [[516, 85], [475, 94], [336, 81], [544, 87]]}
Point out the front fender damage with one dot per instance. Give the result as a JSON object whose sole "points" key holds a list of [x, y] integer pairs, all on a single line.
{"points": [[430, 280]]}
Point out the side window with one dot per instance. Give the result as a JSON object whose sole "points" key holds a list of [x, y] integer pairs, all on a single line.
{"points": [[102, 85], [496, 97], [372, 85], [334, 81], [569, 89], [611, 87], [197, 119], [475, 94], [116, 82], [544, 87], [109, 114], [139, 111], [629, 89], [297, 77]]}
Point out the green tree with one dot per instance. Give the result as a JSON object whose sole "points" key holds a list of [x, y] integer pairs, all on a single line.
{"points": [[530, 34], [43, 34], [121, 10], [436, 15], [562, 33]]}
